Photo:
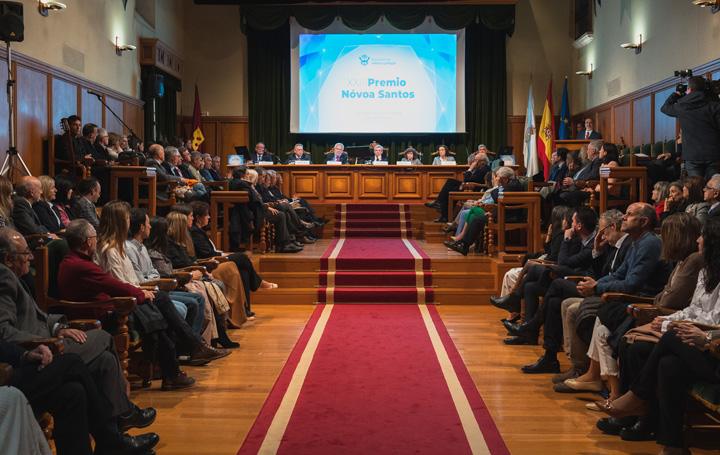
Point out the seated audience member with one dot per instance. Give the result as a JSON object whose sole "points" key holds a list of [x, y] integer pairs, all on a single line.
{"points": [[679, 234], [570, 194], [80, 279], [88, 194], [641, 272], [45, 208], [216, 168], [124, 146], [230, 306], [204, 248], [490, 179], [100, 151], [6, 203], [559, 168], [156, 159], [63, 387], [574, 163], [191, 306], [675, 202], [261, 154], [111, 257], [560, 220], [213, 175], [19, 430], [508, 182], [474, 174], [574, 258], [609, 156], [70, 138], [377, 157], [337, 154], [28, 191], [64, 184], [666, 166], [711, 190], [89, 134], [298, 154], [20, 320], [656, 376], [276, 179], [174, 165], [205, 166], [475, 207], [410, 155], [302, 230], [660, 192], [693, 188], [588, 133], [196, 164], [113, 147], [481, 151], [256, 212], [156, 245], [442, 156]]}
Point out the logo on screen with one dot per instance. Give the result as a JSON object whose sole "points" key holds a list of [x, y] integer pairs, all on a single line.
{"points": [[364, 60]]}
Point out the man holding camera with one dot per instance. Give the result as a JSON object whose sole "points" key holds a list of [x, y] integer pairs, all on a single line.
{"points": [[699, 117]]}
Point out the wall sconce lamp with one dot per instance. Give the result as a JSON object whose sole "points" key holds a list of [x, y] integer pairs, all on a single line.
{"points": [[119, 49], [636, 45], [44, 7], [715, 4], [586, 73]]}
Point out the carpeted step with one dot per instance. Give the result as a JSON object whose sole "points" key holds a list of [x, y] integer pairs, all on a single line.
{"points": [[375, 254], [372, 233], [376, 295], [365, 215], [373, 278], [372, 207], [372, 224]]}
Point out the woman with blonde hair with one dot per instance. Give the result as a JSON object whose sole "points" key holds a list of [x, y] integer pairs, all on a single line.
{"points": [[113, 147], [181, 253], [46, 210], [660, 192], [6, 204]]}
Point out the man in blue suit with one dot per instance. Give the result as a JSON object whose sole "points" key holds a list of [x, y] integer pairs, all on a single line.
{"points": [[260, 153], [298, 154], [588, 133], [338, 154]]}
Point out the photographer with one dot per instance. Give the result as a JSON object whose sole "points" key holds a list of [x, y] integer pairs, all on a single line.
{"points": [[699, 118]]}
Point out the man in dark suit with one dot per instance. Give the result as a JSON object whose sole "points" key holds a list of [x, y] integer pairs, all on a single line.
{"points": [[100, 151], [260, 154], [28, 191], [64, 387], [338, 154], [298, 154], [215, 169], [475, 174], [378, 154], [156, 158], [712, 195], [21, 319], [506, 179], [558, 170], [570, 194], [72, 136], [588, 133]]}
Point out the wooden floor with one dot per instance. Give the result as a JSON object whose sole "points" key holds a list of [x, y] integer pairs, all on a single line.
{"points": [[215, 416]]}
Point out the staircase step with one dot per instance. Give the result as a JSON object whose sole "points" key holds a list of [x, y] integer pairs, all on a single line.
{"points": [[373, 224], [372, 207], [365, 215], [375, 295], [388, 279], [372, 233]]}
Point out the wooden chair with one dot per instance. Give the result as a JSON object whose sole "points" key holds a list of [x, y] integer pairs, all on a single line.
{"points": [[172, 199], [529, 202], [218, 185], [143, 178], [632, 179], [78, 169], [223, 202], [467, 192]]}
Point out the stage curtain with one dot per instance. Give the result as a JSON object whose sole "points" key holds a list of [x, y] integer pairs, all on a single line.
{"points": [[165, 107], [485, 77]]}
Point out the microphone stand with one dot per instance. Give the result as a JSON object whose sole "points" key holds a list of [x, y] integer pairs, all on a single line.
{"points": [[102, 101]]}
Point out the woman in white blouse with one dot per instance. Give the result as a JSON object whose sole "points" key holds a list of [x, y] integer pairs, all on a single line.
{"points": [[442, 156]]}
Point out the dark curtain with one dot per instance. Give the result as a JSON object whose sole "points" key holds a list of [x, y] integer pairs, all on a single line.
{"points": [[165, 107], [268, 36]]}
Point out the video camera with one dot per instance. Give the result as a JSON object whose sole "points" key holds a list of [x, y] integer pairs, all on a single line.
{"points": [[712, 88]]}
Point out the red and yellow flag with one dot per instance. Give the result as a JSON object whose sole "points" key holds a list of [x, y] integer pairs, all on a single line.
{"points": [[198, 138], [546, 134]]}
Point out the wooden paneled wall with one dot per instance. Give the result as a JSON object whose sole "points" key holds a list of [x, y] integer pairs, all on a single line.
{"points": [[222, 134], [45, 94]]}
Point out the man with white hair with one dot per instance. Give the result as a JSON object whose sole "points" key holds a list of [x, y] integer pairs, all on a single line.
{"points": [[712, 195], [338, 154]]}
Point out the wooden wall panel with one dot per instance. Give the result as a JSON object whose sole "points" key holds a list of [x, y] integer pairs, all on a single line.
{"points": [[112, 124], [92, 109], [665, 127], [603, 124], [622, 127], [222, 135], [232, 134], [64, 102], [516, 138], [32, 116], [133, 117], [641, 121]]}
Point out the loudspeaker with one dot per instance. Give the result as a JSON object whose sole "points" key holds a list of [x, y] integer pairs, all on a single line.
{"points": [[155, 87], [12, 27]]}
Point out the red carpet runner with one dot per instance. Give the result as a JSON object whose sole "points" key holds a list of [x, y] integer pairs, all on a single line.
{"points": [[372, 221], [374, 380], [375, 271]]}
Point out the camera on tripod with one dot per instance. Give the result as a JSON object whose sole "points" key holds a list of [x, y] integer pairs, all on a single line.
{"points": [[711, 89]]}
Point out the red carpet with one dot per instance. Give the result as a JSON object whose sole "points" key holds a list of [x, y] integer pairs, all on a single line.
{"points": [[371, 379], [372, 221], [375, 271]]}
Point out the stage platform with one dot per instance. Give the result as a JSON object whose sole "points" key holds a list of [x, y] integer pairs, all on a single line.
{"points": [[457, 279]]}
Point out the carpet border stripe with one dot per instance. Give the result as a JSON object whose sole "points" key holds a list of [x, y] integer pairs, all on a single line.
{"points": [[275, 432]]}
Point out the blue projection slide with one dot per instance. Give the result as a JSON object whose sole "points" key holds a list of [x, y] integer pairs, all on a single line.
{"points": [[396, 83]]}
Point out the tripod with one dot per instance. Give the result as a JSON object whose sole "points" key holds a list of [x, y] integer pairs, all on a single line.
{"points": [[10, 167]]}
